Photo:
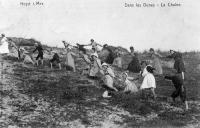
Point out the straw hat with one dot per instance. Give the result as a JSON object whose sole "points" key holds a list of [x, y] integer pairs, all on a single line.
{"points": [[104, 64]]}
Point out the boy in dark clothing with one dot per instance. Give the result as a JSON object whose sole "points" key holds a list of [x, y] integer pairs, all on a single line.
{"points": [[180, 89], [56, 59], [40, 53]]}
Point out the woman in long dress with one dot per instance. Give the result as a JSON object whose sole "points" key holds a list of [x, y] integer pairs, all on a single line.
{"points": [[4, 45], [95, 65], [70, 59], [118, 61], [156, 62]]}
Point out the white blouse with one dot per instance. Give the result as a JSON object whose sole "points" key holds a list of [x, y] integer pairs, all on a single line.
{"points": [[149, 80]]}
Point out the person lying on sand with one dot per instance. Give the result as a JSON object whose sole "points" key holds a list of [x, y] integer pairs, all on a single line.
{"points": [[108, 76], [180, 90], [56, 59]]}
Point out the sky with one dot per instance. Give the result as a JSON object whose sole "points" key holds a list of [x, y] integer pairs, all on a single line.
{"points": [[105, 21]]}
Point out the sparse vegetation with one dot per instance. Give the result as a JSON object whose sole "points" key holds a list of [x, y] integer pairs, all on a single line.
{"points": [[40, 97]]}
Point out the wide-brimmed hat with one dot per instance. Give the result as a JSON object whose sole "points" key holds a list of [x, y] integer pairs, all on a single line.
{"points": [[105, 64]]}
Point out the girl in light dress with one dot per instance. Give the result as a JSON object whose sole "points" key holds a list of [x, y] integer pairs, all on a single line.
{"points": [[149, 81]]}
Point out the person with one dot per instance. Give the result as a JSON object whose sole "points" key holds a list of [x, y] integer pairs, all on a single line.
{"points": [[108, 55], [134, 65], [95, 66], [15, 49], [56, 59], [130, 87], [180, 90], [118, 61], [80, 47], [108, 76], [25, 56], [87, 61], [94, 45], [66, 44], [70, 59], [178, 63], [179, 67], [156, 62], [149, 81], [3, 47], [40, 53]]}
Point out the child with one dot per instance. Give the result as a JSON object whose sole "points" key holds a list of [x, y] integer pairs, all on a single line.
{"points": [[55, 58], [108, 79], [95, 66], [130, 87], [149, 81], [40, 53], [180, 89]]}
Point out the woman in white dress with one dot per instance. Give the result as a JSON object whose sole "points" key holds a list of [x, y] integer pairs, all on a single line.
{"points": [[4, 45], [149, 81], [3, 48]]}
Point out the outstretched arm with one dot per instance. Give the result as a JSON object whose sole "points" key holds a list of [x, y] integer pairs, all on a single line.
{"points": [[99, 45]]}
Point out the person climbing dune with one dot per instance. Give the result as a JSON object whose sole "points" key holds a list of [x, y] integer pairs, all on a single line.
{"points": [[108, 78], [39, 48], [156, 62]]}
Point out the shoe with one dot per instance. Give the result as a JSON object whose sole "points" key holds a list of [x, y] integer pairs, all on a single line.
{"points": [[105, 94]]}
